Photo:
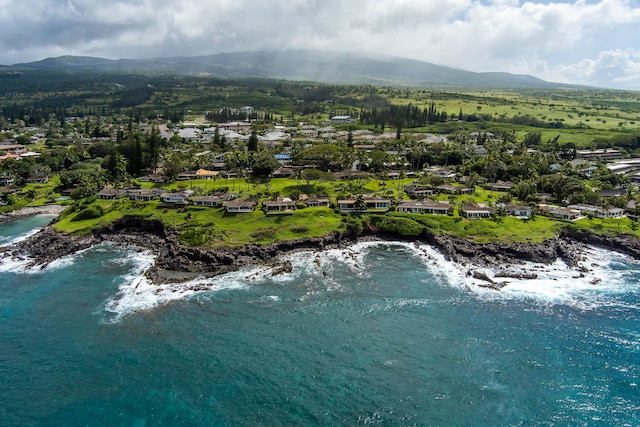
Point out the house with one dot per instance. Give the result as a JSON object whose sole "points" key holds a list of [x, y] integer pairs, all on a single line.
{"points": [[230, 174], [441, 172], [218, 161], [602, 154], [282, 173], [473, 210], [206, 174], [454, 189], [246, 109], [5, 191], [280, 204], [237, 126], [6, 179], [519, 211], [559, 212], [376, 204], [615, 192], [597, 211], [189, 134], [417, 190], [39, 178], [187, 175], [109, 193], [143, 195], [315, 202], [214, 200], [239, 205], [341, 119], [502, 186], [155, 178], [179, 197], [632, 210], [425, 206], [283, 158]]}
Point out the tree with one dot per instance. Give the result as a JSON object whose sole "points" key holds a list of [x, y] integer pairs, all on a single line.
{"points": [[310, 176], [264, 165], [173, 165], [360, 205], [252, 145], [216, 138], [399, 129], [533, 139], [153, 144], [324, 157]]}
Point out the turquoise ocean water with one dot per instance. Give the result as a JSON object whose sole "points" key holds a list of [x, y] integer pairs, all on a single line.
{"points": [[379, 334]]}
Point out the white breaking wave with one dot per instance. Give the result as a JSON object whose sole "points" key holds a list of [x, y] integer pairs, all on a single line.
{"points": [[7, 241], [599, 275], [13, 264], [137, 293], [20, 264]]}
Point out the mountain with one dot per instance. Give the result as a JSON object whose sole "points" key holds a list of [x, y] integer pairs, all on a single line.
{"points": [[320, 66]]}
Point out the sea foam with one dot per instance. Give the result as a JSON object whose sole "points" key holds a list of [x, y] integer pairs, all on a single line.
{"points": [[137, 293], [599, 276]]}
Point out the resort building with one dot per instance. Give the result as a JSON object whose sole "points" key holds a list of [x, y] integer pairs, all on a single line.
{"points": [[214, 200], [559, 212], [143, 195], [519, 211], [417, 190], [179, 197], [376, 204], [597, 211], [341, 119], [284, 204], [473, 210], [603, 154], [453, 189], [425, 206], [246, 204], [315, 202], [502, 186]]}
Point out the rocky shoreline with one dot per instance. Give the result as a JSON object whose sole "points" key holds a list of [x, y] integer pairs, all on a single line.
{"points": [[175, 262]]}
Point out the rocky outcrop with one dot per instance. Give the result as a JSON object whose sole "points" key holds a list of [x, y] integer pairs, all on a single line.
{"points": [[465, 251], [628, 245]]}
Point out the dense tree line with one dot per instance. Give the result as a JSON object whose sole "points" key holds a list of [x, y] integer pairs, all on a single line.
{"points": [[408, 116]]}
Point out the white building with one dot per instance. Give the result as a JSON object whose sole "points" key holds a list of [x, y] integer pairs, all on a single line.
{"points": [[341, 119]]}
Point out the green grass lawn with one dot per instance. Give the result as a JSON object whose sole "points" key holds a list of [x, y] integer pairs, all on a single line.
{"points": [[500, 229]]}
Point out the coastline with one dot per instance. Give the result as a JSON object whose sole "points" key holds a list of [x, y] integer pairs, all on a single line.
{"points": [[176, 262]]}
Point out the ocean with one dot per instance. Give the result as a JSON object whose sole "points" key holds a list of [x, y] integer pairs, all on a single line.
{"points": [[377, 334]]}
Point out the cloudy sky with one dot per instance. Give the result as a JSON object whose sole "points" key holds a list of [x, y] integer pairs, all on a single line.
{"points": [[593, 42]]}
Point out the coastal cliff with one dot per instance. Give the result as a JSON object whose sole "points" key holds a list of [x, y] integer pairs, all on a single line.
{"points": [[175, 261]]}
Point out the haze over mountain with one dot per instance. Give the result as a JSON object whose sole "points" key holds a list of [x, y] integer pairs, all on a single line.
{"points": [[320, 66]]}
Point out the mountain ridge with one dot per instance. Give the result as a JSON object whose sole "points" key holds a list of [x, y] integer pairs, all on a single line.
{"points": [[304, 65]]}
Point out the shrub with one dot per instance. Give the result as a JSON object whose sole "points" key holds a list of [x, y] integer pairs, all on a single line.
{"points": [[91, 212], [402, 226]]}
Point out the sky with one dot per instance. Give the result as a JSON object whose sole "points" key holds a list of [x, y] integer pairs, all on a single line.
{"points": [[589, 42]]}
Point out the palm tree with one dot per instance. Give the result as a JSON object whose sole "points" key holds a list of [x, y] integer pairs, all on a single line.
{"points": [[360, 205]]}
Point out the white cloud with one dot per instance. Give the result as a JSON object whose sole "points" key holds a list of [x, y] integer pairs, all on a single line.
{"points": [[550, 38], [613, 68]]}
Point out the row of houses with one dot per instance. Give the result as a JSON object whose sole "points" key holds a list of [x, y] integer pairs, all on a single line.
{"points": [[235, 204]]}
